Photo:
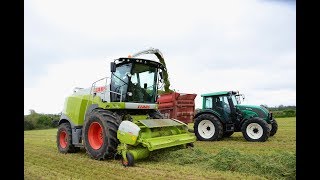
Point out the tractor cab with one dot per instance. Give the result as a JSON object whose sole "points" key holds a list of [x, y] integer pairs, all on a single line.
{"points": [[223, 103], [135, 80]]}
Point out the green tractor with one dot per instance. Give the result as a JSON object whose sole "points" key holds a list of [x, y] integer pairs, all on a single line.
{"points": [[120, 119], [222, 115]]}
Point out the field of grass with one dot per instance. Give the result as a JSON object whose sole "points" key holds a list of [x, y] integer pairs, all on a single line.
{"points": [[230, 158]]}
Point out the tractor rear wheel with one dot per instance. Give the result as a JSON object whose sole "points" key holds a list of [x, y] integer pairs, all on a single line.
{"points": [[100, 134], [274, 128], [207, 127], [64, 139], [255, 130]]}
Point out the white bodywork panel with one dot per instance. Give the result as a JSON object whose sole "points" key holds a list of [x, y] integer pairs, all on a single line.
{"points": [[129, 127], [102, 91], [140, 106]]}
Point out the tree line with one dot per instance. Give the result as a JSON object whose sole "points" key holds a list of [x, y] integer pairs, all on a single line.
{"points": [[45, 121], [40, 121], [282, 111]]}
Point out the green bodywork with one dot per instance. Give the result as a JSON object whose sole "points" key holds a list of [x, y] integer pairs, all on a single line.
{"points": [[247, 111], [153, 134], [76, 106]]}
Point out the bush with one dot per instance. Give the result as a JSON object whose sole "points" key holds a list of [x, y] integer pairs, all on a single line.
{"points": [[284, 113], [40, 121], [28, 125]]}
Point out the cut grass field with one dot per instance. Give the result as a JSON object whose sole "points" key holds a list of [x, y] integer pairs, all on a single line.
{"points": [[230, 158]]}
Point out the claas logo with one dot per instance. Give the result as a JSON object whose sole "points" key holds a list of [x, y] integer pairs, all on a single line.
{"points": [[143, 107], [99, 89]]}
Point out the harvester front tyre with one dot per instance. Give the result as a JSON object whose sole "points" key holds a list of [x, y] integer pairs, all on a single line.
{"points": [[156, 115], [100, 134], [255, 130], [129, 161], [274, 129], [64, 139], [208, 127]]}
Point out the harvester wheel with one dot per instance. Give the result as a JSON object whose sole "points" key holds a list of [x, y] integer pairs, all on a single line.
{"points": [[207, 127], [64, 139], [227, 134], [274, 129], [130, 160], [255, 130], [156, 115], [100, 134]]}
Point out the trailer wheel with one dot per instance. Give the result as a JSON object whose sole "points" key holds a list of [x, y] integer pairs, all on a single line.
{"points": [[255, 130], [130, 160], [100, 134], [207, 127], [274, 128], [64, 139]]}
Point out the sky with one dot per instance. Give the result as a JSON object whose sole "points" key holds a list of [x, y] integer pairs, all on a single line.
{"points": [[209, 46]]}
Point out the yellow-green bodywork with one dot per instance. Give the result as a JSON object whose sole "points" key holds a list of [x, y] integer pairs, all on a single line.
{"points": [[75, 106], [154, 134]]}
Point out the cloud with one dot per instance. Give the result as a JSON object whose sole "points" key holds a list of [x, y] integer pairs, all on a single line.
{"points": [[208, 46], [48, 95]]}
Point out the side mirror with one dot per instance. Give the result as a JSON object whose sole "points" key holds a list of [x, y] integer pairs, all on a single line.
{"points": [[113, 67], [243, 97], [161, 74], [145, 85]]}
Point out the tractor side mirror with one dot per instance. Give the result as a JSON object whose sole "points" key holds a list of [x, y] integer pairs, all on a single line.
{"points": [[113, 67], [243, 97]]}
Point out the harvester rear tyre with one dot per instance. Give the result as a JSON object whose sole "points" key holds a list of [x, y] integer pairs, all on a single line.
{"points": [[130, 160], [64, 139], [274, 129], [100, 134], [255, 130], [208, 127]]}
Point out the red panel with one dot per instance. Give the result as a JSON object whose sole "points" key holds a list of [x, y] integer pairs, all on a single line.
{"points": [[179, 106], [165, 105]]}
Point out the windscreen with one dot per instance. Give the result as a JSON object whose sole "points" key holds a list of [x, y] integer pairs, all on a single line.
{"points": [[235, 100], [119, 82], [142, 86]]}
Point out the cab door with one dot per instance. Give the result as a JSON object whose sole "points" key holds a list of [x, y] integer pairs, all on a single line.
{"points": [[221, 105]]}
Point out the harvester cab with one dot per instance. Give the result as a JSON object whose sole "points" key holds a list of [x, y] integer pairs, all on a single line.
{"points": [[223, 114], [135, 80], [121, 117]]}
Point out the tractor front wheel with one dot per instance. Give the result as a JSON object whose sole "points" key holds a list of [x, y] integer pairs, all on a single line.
{"points": [[64, 139], [255, 130], [207, 127], [274, 128], [100, 134]]}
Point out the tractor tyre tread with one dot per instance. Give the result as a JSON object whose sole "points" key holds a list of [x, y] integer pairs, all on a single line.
{"points": [[217, 124]]}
